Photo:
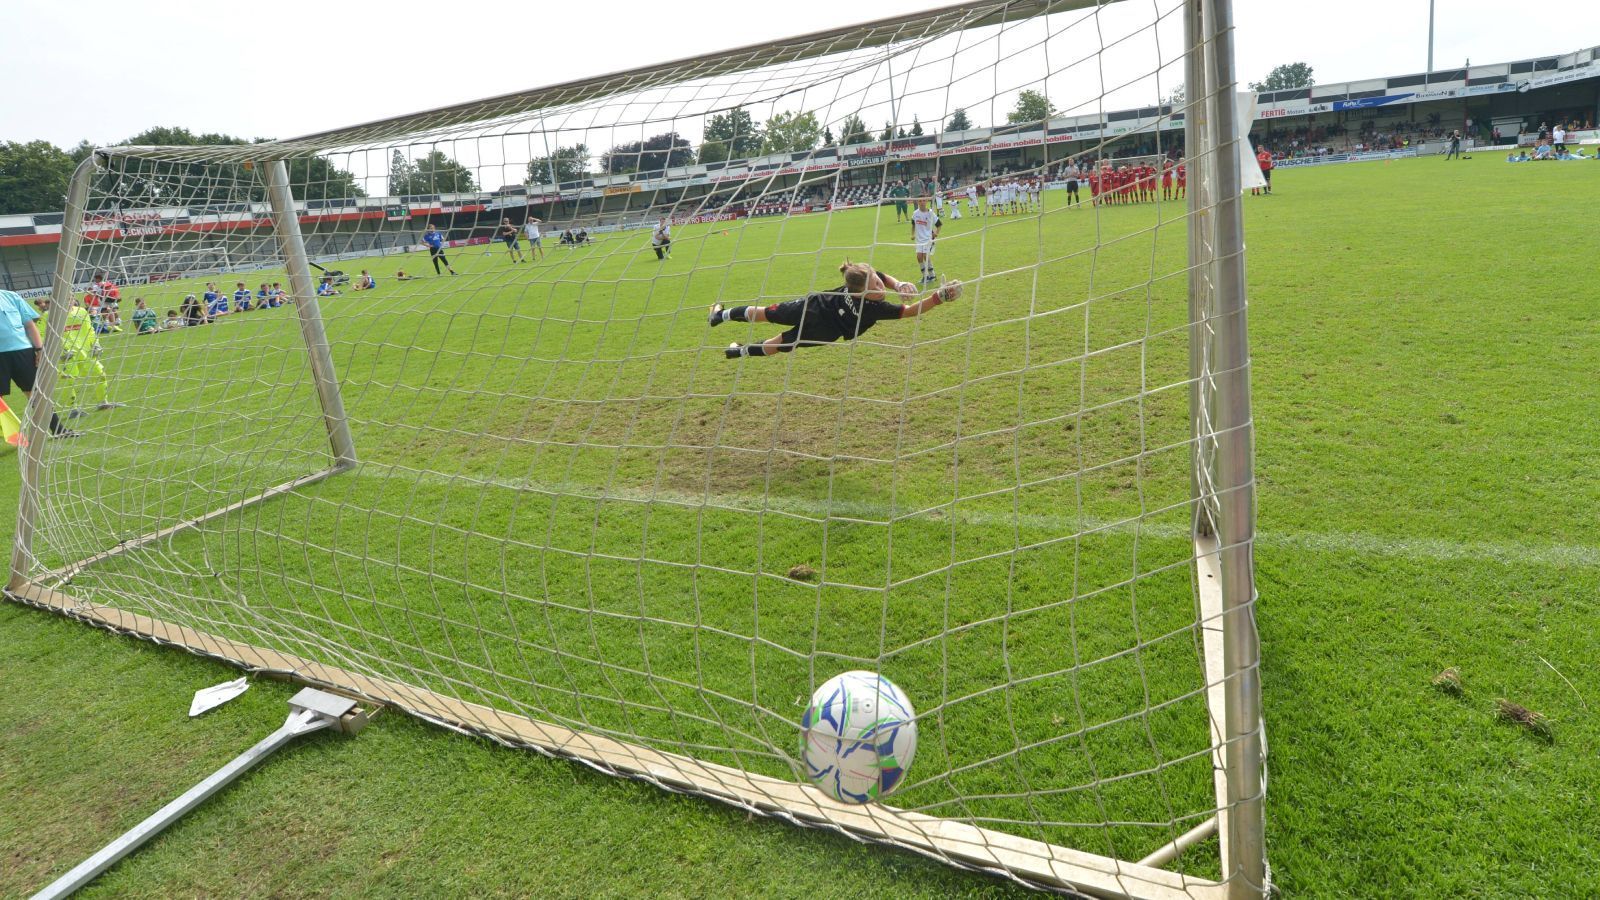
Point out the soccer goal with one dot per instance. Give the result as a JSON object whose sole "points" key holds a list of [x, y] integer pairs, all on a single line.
{"points": [[630, 493], [172, 264]]}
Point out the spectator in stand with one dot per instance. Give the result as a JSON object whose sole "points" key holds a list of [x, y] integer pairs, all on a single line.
{"points": [[144, 318]]}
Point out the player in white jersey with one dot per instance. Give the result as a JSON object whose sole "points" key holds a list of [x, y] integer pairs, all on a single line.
{"points": [[925, 226], [535, 236], [955, 206], [972, 198]]}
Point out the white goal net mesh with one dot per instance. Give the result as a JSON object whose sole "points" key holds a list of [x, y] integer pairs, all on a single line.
{"points": [[569, 505]]}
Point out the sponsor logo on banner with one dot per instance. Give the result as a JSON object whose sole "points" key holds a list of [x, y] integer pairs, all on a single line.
{"points": [[1578, 74], [619, 189], [1501, 88], [1272, 113], [1318, 107], [1369, 102]]}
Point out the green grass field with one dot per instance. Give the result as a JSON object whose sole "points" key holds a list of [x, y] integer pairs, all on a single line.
{"points": [[1421, 389]]}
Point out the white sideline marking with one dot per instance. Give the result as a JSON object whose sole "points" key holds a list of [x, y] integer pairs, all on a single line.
{"points": [[1359, 543]]}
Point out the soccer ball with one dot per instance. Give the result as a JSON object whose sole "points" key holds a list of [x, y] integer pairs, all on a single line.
{"points": [[858, 737]]}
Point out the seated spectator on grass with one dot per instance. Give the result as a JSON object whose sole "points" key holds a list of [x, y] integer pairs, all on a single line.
{"points": [[241, 298], [275, 296], [172, 321], [326, 289], [193, 312], [402, 276], [216, 302], [366, 282], [144, 318], [263, 294], [566, 237]]}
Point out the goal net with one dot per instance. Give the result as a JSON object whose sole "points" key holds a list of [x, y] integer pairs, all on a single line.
{"points": [[535, 495]]}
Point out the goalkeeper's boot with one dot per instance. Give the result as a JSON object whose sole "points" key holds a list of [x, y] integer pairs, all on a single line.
{"points": [[715, 317]]}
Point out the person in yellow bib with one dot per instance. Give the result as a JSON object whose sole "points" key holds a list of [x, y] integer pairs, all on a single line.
{"points": [[80, 359]]}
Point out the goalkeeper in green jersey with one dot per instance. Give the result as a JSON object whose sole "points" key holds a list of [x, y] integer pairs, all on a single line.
{"points": [[80, 358]]}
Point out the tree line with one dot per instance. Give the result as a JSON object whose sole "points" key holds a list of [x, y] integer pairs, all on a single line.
{"points": [[34, 175]]}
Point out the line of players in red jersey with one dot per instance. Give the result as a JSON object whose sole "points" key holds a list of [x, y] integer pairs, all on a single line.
{"points": [[1137, 183]]}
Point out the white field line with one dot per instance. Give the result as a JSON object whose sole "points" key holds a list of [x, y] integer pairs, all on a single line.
{"points": [[1353, 543]]}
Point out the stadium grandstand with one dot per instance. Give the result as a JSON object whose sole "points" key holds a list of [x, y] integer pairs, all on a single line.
{"points": [[1496, 105]]}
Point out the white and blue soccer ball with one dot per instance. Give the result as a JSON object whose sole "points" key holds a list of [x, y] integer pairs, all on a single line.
{"points": [[858, 737]]}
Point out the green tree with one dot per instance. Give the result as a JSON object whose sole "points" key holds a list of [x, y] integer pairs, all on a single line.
{"points": [[827, 137], [888, 132], [1286, 77], [792, 132], [401, 174], [33, 177], [663, 151], [1179, 95], [958, 121], [1032, 106], [916, 126], [854, 131], [314, 178], [730, 135], [439, 174], [568, 163]]}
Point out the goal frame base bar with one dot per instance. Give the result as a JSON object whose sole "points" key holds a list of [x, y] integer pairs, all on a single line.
{"points": [[1041, 864]]}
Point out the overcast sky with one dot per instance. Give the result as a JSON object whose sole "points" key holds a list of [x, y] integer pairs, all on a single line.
{"points": [[107, 69]]}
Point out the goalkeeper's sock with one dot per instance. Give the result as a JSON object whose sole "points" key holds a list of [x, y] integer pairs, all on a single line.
{"points": [[735, 351], [719, 314]]}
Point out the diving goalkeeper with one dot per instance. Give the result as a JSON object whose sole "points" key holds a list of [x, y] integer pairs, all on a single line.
{"points": [[843, 313]]}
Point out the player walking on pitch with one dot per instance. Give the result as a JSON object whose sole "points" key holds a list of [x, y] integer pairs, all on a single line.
{"points": [[508, 233], [535, 236], [435, 242], [843, 313], [925, 227]]}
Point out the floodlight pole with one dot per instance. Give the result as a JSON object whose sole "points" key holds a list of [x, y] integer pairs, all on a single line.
{"points": [[303, 290], [36, 417], [1427, 74]]}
